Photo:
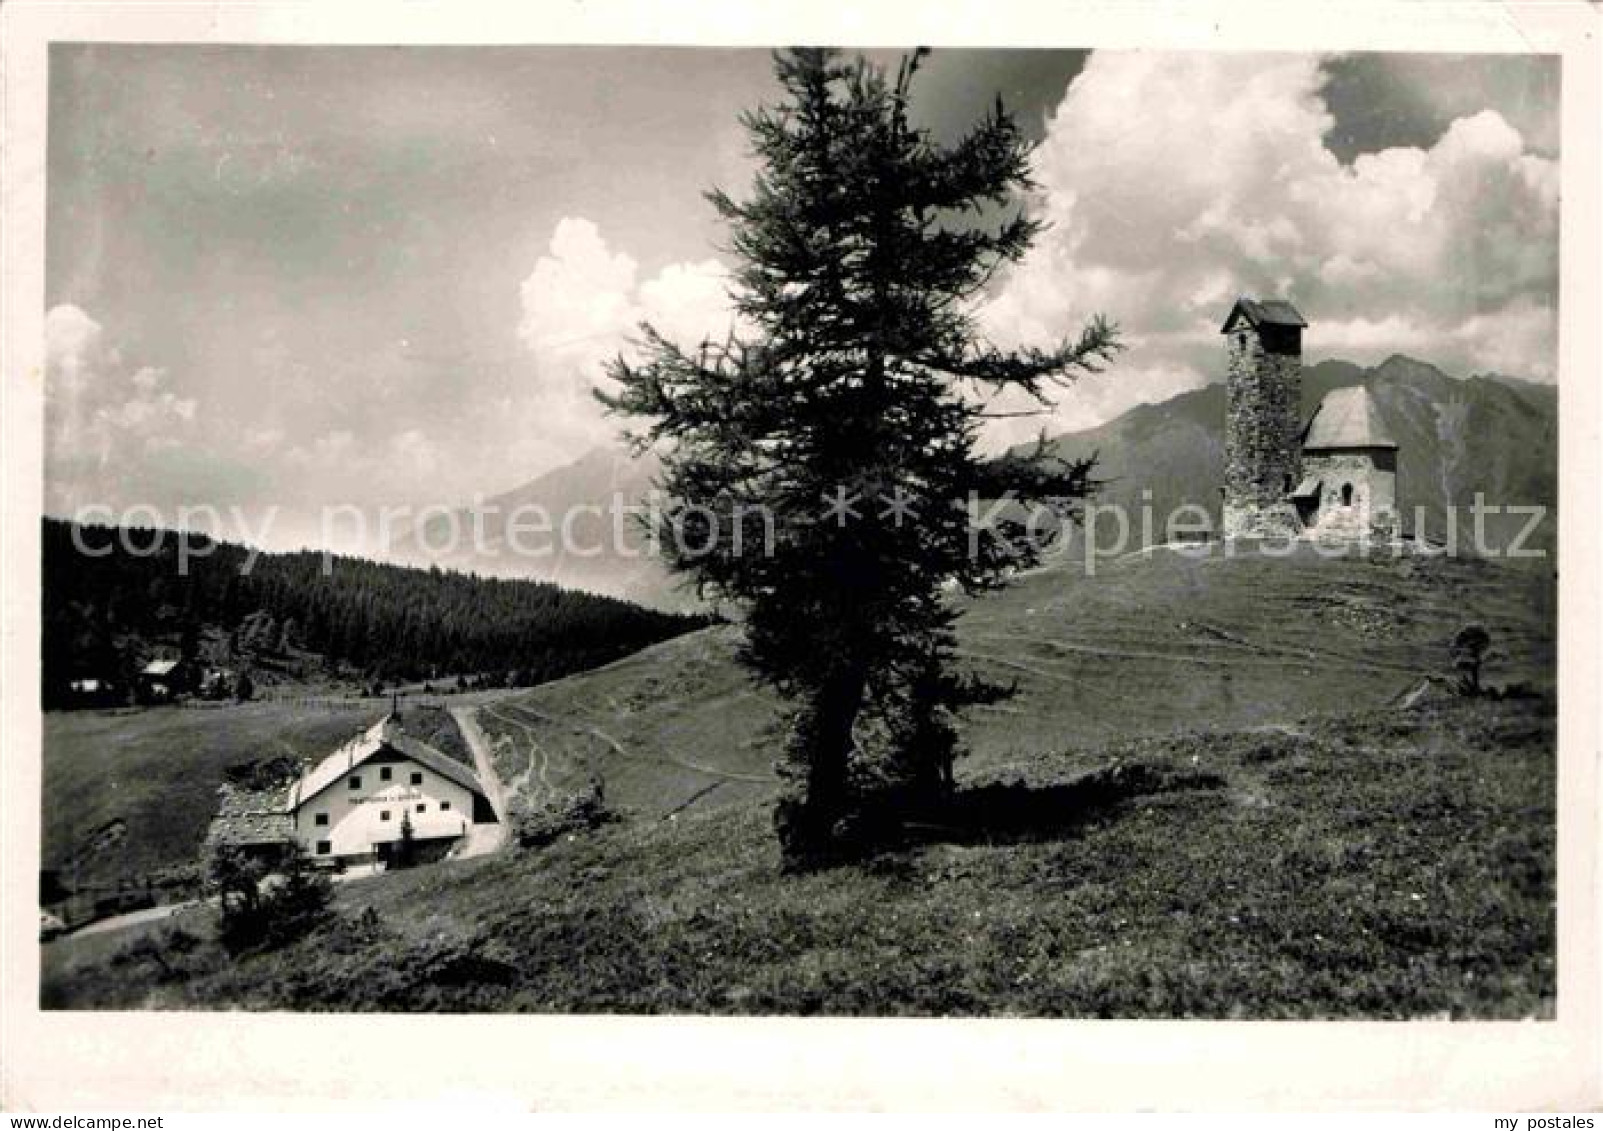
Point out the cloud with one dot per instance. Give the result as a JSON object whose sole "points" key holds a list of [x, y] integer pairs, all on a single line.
{"points": [[328, 451], [580, 298], [75, 357], [121, 434], [413, 454], [107, 429], [582, 305], [1174, 182], [1524, 88]]}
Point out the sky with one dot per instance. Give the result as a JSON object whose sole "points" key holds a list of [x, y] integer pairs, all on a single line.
{"points": [[295, 277]]}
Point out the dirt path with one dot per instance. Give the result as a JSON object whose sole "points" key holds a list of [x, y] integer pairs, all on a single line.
{"points": [[534, 780], [482, 839], [169, 910], [135, 918], [624, 752]]}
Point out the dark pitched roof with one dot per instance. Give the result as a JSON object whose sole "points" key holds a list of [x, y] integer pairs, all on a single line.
{"points": [[384, 735], [1269, 311], [442, 764], [1347, 418]]}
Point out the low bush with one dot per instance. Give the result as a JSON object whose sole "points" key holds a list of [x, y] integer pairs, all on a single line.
{"points": [[550, 819], [265, 905], [167, 951]]}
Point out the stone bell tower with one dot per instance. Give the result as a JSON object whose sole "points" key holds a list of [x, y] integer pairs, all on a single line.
{"points": [[1263, 410]]}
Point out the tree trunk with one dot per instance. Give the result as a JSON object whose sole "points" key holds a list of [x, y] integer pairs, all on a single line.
{"points": [[816, 758]]}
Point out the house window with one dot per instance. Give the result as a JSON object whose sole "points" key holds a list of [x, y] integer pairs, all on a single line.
{"points": [[320, 819], [417, 777], [324, 848], [421, 807], [384, 773], [1286, 484], [356, 781], [384, 814], [444, 805], [1346, 494]]}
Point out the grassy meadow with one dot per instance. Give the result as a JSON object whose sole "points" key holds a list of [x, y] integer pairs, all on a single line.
{"points": [[1205, 799], [1380, 864], [1143, 646]]}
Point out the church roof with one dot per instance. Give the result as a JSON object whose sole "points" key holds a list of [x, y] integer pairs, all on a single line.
{"points": [[1269, 311], [1347, 418]]}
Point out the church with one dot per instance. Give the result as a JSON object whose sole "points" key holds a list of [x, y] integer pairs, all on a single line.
{"points": [[1333, 479]]}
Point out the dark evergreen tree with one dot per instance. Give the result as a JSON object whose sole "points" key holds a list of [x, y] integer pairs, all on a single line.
{"points": [[383, 620], [189, 643], [850, 414], [406, 848]]}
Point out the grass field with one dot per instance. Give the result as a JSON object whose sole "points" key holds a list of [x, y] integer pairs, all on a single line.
{"points": [[1143, 646], [131, 792], [1204, 800], [1381, 864]]}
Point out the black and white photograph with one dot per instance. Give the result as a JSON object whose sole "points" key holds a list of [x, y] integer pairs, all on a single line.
{"points": [[1037, 532]]}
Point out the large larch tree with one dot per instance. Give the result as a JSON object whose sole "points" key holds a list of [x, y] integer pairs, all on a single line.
{"points": [[821, 466]]}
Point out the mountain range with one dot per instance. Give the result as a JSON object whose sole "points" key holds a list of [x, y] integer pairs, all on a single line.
{"points": [[1458, 437]]}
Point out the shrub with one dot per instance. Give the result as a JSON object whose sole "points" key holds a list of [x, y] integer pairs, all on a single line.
{"points": [[263, 906], [1469, 651], [538, 825], [166, 950]]}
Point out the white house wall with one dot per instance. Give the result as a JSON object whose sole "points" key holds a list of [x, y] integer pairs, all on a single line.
{"points": [[356, 816]]}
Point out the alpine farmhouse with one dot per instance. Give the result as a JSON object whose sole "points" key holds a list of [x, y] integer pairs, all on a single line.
{"points": [[351, 807]]}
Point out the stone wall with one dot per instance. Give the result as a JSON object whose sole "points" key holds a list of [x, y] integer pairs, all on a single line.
{"points": [[1372, 472], [1263, 399]]}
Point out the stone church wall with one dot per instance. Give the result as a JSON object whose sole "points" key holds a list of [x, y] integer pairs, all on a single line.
{"points": [[1372, 472]]}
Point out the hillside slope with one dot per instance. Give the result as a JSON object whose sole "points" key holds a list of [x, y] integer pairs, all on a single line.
{"points": [[108, 609], [1380, 865], [1204, 801], [1147, 645]]}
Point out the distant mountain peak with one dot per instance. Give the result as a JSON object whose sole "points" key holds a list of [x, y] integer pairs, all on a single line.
{"points": [[1403, 366]]}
